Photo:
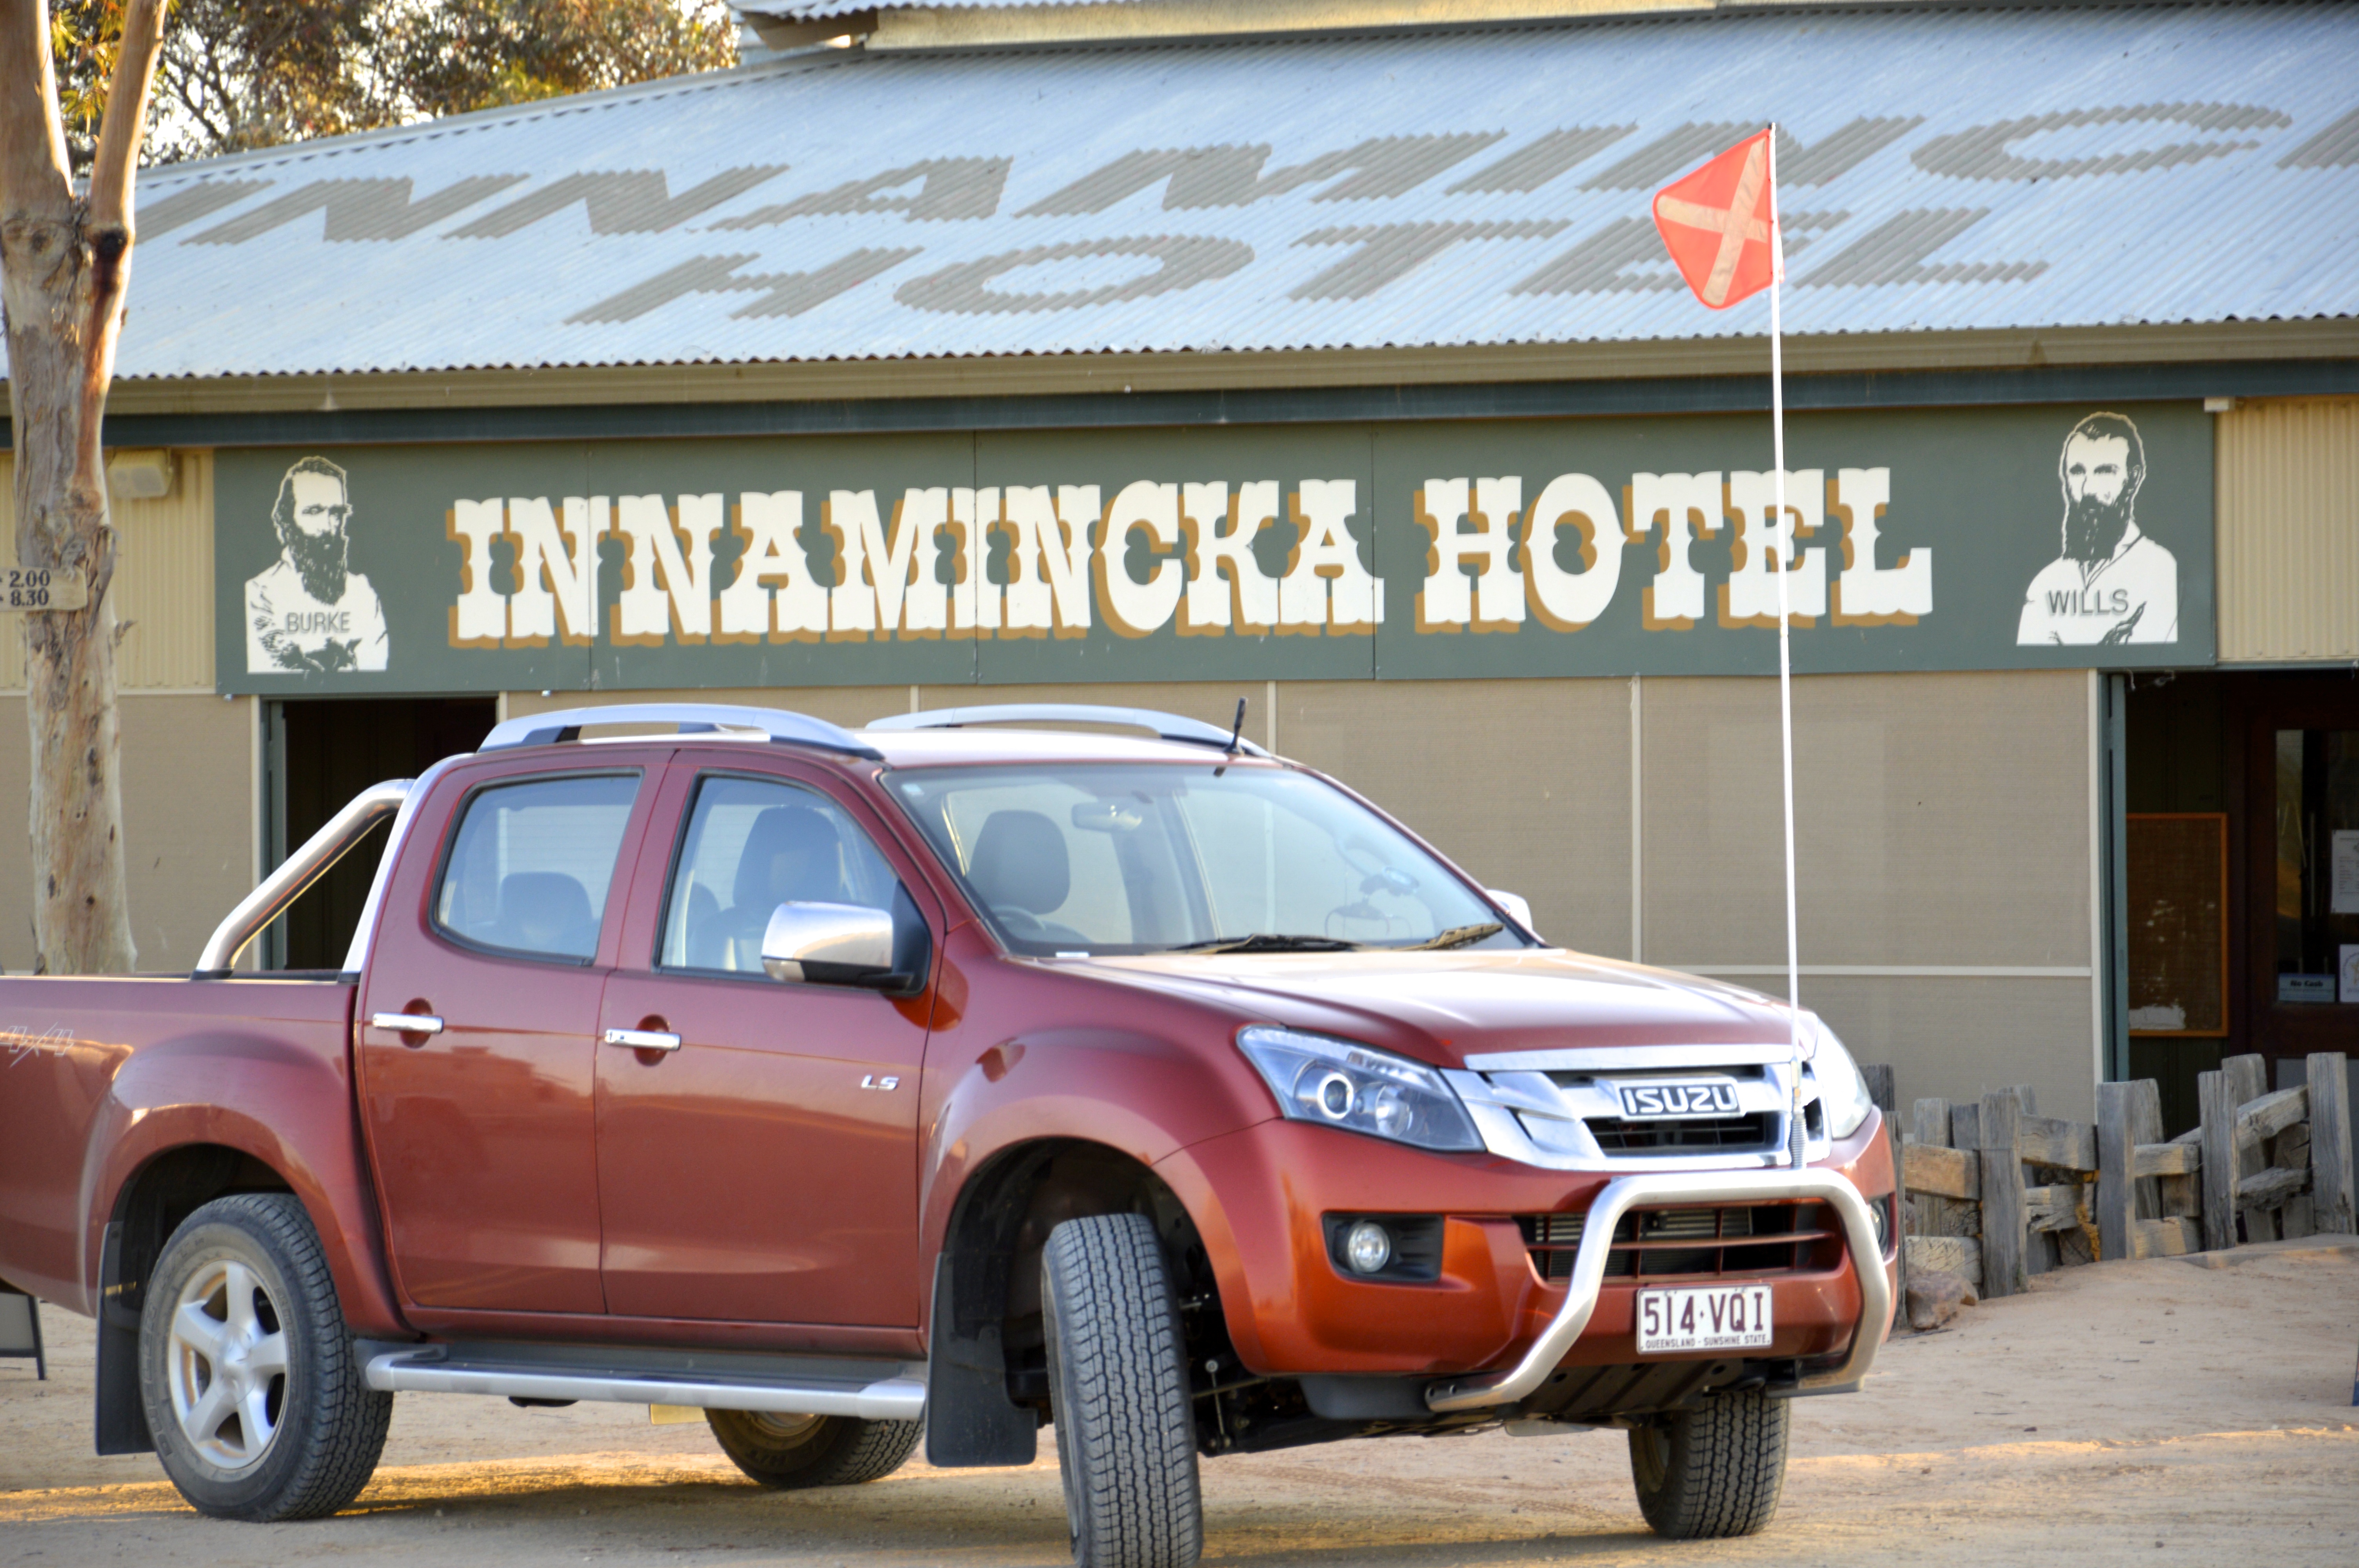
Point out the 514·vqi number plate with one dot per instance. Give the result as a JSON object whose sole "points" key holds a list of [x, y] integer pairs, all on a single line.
{"points": [[1708, 1317], [43, 587]]}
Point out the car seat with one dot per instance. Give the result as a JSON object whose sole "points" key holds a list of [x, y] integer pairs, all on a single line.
{"points": [[1021, 871]]}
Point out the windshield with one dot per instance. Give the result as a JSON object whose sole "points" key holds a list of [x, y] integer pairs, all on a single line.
{"points": [[1125, 859]]}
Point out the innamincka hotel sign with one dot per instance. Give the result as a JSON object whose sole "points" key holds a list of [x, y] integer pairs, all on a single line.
{"points": [[2014, 537]]}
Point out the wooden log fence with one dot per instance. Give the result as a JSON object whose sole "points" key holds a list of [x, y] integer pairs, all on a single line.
{"points": [[1997, 1192]]}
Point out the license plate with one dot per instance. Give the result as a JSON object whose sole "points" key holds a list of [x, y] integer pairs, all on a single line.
{"points": [[1706, 1317], [1679, 1097]]}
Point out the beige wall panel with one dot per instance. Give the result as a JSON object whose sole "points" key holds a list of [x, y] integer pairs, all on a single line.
{"points": [[1524, 783], [2288, 529], [163, 583], [188, 824], [1957, 1038], [1940, 819]]}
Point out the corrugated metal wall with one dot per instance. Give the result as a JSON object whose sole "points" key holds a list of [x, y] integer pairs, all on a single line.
{"points": [[163, 583], [2289, 530]]}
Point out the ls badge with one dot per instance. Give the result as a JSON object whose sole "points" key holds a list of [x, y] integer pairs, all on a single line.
{"points": [[871, 1081]]}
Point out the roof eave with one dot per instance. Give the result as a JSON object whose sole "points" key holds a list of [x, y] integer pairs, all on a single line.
{"points": [[1023, 375]]}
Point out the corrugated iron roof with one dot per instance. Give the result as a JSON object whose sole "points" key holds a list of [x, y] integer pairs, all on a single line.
{"points": [[1945, 170]]}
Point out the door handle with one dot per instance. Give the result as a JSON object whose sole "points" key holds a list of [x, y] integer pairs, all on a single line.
{"points": [[642, 1039], [407, 1022]]}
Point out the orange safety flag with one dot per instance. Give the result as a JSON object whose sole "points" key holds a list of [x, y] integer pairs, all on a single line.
{"points": [[1716, 223]]}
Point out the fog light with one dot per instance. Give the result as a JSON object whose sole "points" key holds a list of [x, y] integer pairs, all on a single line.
{"points": [[1876, 1213], [1368, 1247]]}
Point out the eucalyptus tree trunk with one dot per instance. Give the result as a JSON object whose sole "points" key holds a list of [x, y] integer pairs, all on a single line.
{"points": [[65, 260]]}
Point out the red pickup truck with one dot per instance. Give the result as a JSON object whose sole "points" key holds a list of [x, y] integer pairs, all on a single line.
{"points": [[947, 1077]]}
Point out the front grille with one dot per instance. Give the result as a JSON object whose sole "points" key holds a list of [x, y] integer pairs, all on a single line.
{"points": [[1704, 1133], [1749, 1240]]}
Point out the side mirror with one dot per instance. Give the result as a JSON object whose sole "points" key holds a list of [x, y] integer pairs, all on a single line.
{"points": [[1515, 903], [828, 944]]}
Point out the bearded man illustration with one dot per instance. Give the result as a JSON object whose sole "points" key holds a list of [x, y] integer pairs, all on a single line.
{"points": [[309, 612], [2113, 583]]}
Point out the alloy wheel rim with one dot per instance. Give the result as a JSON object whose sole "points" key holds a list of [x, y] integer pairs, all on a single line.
{"points": [[227, 1364], [786, 1428]]}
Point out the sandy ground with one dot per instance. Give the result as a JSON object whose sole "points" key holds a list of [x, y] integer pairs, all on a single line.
{"points": [[2149, 1413]]}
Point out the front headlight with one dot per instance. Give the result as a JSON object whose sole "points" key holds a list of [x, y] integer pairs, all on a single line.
{"points": [[1843, 1093], [1356, 1086]]}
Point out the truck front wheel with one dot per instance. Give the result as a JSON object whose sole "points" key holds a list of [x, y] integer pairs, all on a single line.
{"points": [[790, 1451], [1714, 1471], [252, 1392], [1118, 1390]]}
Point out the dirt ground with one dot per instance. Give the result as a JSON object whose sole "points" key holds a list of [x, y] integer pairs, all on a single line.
{"points": [[2150, 1412]]}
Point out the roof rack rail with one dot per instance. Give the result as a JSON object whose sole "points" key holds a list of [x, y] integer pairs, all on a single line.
{"points": [[1165, 726], [776, 724]]}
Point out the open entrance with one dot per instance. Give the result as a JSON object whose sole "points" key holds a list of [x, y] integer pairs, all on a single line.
{"points": [[321, 755], [2242, 853]]}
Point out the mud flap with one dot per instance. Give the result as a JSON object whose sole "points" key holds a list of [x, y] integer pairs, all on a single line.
{"points": [[969, 1418], [122, 1414]]}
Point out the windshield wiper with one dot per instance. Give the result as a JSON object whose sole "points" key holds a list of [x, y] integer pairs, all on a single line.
{"points": [[1268, 942], [1456, 936]]}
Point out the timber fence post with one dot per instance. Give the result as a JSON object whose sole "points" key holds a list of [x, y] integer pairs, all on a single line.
{"points": [[2334, 1210], [2003, 1199], [2146, 1127], [2040, 1252], [2216, 1101], [2249, 1080], [2117, 1152]]}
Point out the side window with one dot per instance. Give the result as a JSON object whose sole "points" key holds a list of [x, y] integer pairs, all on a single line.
{"points": [[752, 845], [530, 867]]}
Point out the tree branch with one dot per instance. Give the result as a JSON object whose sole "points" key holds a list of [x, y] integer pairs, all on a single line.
{"points": [[126, 115], [32, 138]]}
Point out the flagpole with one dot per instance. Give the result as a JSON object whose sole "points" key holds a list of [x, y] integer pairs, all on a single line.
{"points": [[1785, 553]]}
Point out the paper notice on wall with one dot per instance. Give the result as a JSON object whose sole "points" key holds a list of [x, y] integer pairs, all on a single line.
{"points": [[2349, 971], [2345, 897]]}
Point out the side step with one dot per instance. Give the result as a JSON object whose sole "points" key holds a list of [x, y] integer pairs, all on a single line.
{"points": [[783, 1385]]}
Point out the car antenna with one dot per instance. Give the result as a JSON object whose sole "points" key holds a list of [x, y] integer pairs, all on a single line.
{"points": [[1236, 731]]}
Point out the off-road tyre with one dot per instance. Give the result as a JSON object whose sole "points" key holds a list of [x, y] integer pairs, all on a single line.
{"points": [[1716, 1471], [791, 1452], [326, 1426], [1119, 1388]]}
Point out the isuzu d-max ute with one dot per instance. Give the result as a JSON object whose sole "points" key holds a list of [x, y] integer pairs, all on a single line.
{"points": [[946, 1079]]}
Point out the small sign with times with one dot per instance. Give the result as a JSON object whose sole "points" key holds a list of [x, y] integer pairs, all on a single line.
{"points": [[45, 587]]}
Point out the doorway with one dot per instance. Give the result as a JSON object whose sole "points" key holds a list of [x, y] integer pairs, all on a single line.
{"points": [[2301, 761], [319, 755], [2272, 759]]}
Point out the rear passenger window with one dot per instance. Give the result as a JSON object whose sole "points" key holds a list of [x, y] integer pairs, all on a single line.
{"points": [[532, 863], [751, 846]]}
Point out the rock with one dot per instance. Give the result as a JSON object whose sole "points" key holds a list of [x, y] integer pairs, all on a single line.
{"points": [[1934, 1297]]}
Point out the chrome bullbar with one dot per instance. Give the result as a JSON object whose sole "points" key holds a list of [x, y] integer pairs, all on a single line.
{"points": [[1484, 1390]]}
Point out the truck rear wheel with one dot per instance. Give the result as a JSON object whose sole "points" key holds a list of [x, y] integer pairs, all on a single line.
{"points": [[1716, 1471], [253, 1393], [1119, 1388], [790, 1451]]}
